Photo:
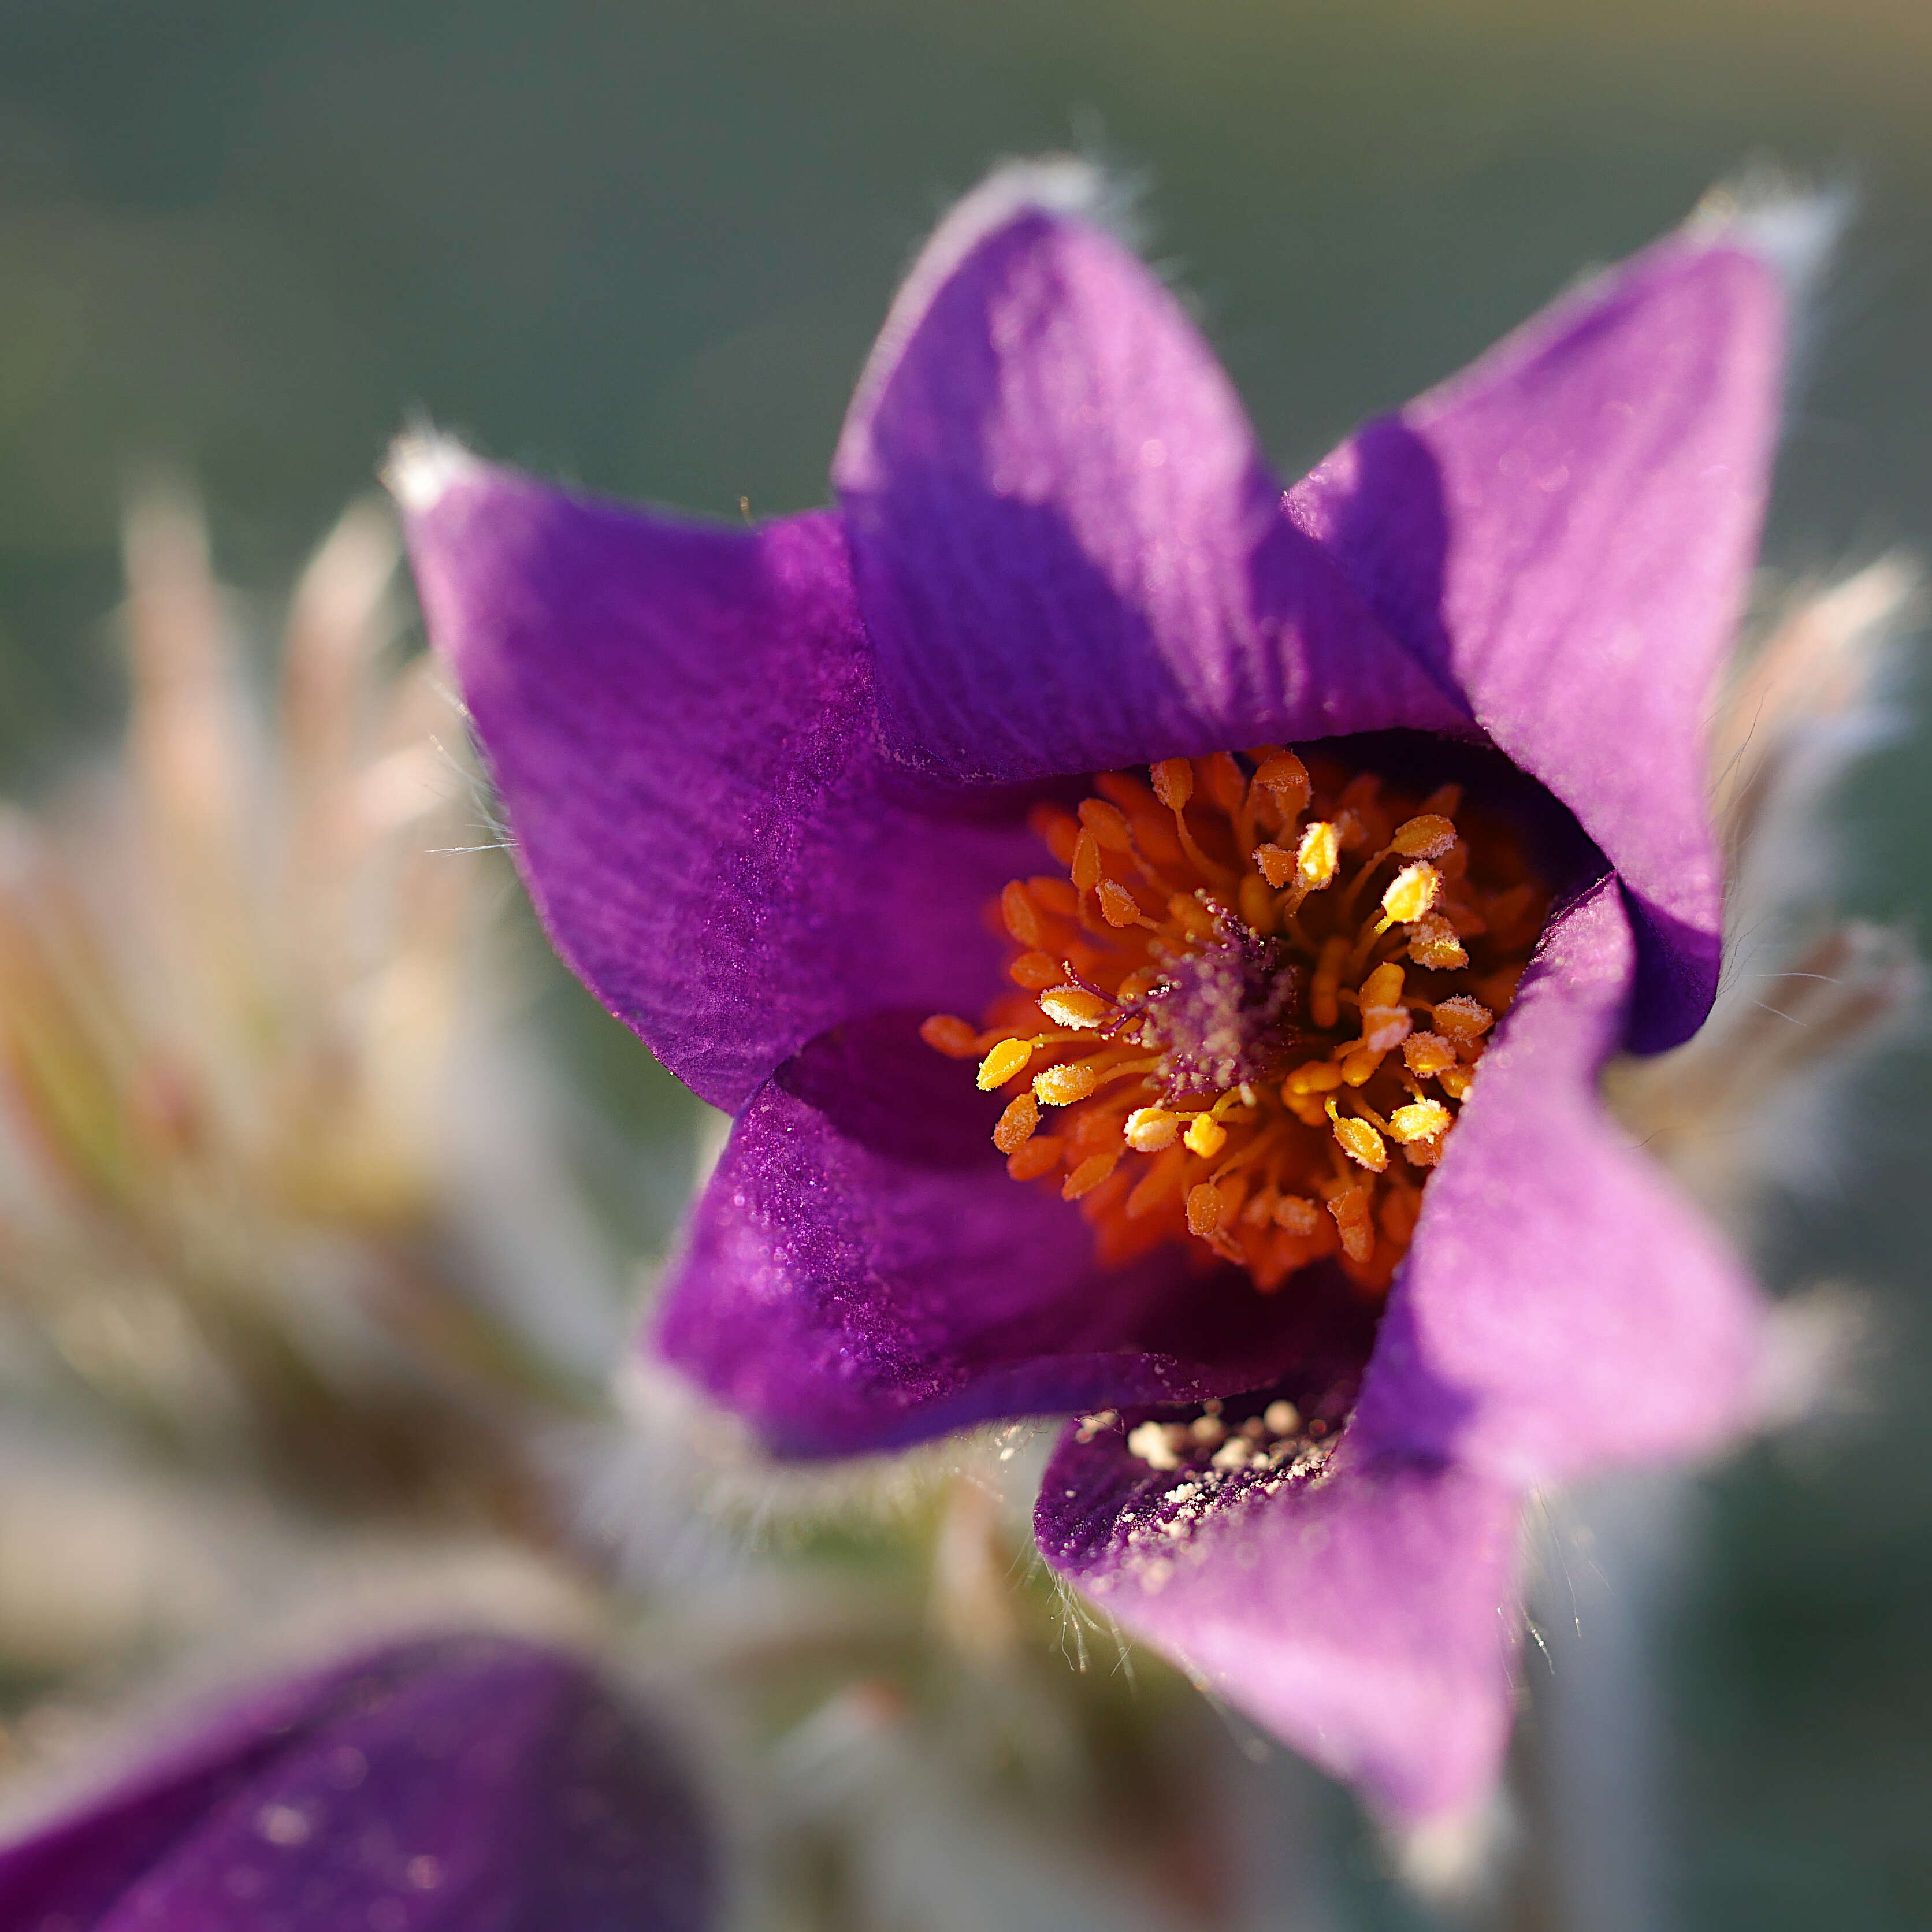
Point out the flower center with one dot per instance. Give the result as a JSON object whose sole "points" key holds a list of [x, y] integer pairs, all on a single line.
{"points": [[1259, 981]]}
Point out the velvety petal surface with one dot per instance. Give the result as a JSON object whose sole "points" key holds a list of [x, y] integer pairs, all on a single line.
{"points": [[1070, 553], [1367, 1615], [1562, 1305], [861, 1271], [678, 718], [458, 1782], [1565, 533]]}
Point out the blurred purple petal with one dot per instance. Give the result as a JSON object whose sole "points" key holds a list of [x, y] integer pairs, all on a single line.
{"points": [[1367, 1615], [1566, 532], [862, 1274], [456, 1782], [679, 720], [1562, 1305], [1070, 553]]}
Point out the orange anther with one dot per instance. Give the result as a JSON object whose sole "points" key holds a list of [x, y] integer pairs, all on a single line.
{"points": [[1085, 869], [1009, 1057], [1061, 1086], [1277, 867], [1207, 1209], [1428, 835], [1173, 783], [1434, 942], [1021, 914], [1399, 1213], [1462, 1020], [1424, 1154], [1054, 895], [1455, 1081], [1257, 905], [1319, 854], [1426, 1054], [1284, 778], [1035, 971], [1221, 778], [1017, 1124], [1350, 1209], [1089, 1174], [1075, 1008], [1108, 823], [950, 1035], [1118, 907], [1039, 1156], [1324, 1006], [1297, 1214], [1056, 830]]}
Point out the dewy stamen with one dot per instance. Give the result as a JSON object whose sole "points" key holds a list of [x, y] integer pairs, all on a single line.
{"points": [[1256, 1000]]}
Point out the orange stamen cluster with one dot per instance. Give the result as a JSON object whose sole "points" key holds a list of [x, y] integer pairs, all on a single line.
{"points": [[1257, 982]]}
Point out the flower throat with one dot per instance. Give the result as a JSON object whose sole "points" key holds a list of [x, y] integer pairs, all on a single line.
{"points": [[1249, 1013]]}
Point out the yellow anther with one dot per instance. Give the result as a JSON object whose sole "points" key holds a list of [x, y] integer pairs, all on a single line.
{"points": [[1385, 1028], [1422, 1120], [1277, 867], [1383, 987], [1427, 836], [1008, 1057], [1108, 823], [1359, 1141], [1455, 1081], [1075, 1008], [1148, 1129], [1319, 1076], [1317, 856], [957, 1038], [1462, 1020], [1324, 1006], [1359, 1064], [1118, 907], [1410, 893], [1061, 1086], [1284, 777], [1426, 1054], [1297, 1214], [1434, 942], [1089, 1174], [1016, 1124], [1205, 1136], [1021, 914], [1085, 869], [1207, 1208], [1173, 783]]}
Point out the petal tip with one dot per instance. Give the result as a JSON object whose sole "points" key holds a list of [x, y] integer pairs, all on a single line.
{"points": [[423, 467], [1792, 227]]}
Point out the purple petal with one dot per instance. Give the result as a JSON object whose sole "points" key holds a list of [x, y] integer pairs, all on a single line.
{"points": [[1562, 1305], [1566, 533], [1367, 1614], [467, 1781], [679, 720], [862, 1272], [1070, 553]]}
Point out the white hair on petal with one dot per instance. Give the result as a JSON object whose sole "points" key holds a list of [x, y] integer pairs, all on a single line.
{"points": [[423, 463]]}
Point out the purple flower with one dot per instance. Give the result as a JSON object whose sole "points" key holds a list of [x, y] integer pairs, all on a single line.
{"points": [[459, 1781], [766, 783]]}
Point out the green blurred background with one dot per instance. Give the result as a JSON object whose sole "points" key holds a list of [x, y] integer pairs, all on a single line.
{"points": [[645, 245]]}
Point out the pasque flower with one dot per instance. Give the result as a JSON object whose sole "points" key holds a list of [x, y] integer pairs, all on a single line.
{"points": [[1288, 862], [467, 1781]]}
